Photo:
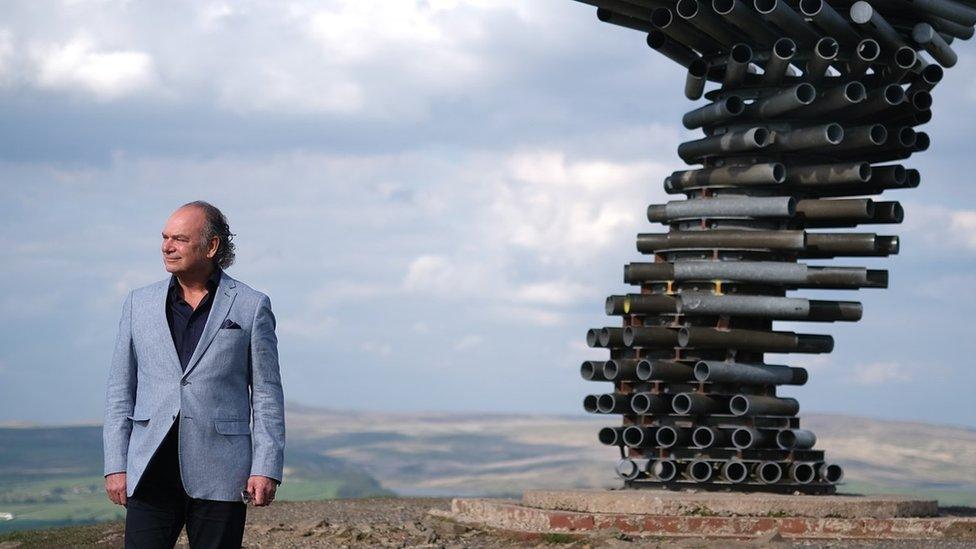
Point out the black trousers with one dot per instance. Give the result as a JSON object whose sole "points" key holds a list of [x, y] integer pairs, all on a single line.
{"points": [[157, 511]]}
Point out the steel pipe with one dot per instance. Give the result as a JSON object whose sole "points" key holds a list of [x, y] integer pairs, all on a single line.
{"points": [[766, 272], [827, 19], [935, 45], [749, 374], [592, 370], [754, 340], [769, 472], [778, 65], [668, 436], [754, 405], [788, 20], [732, 207], [664, 370], [735, 471], [732, 142], [792, 439], [772, 307], [871, 21], [754, 174], [685, 404], [700, 470], [803, 473], [664, 470], [650, 403], [611, 436], [640, 437]]}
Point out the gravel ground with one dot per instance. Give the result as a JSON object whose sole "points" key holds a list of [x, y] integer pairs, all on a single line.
{"points": [[398, 522]]}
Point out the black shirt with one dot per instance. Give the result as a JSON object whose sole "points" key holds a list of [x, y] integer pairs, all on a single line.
{"points": [[186, 323]]}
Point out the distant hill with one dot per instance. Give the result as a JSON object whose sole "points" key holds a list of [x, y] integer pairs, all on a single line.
{"points": [[44, 452], [441, 454], [52, 475]]}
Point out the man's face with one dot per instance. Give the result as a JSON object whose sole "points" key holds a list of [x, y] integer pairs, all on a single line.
{"points": [[184, 250]]}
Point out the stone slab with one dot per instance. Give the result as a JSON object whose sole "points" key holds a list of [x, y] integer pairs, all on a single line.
{"points": [[728, 504], [511, 517]]}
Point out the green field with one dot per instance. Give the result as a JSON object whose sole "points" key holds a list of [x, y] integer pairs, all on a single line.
{"points": [[946, 498], [82, 500], [40, 503], [52, 477]]}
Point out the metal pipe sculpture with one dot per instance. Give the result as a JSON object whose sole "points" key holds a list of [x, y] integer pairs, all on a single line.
{"points": [[814, 99]]}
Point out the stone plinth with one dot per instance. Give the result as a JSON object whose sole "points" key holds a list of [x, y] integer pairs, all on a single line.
{"points": [[727, 504], [713, 515]]}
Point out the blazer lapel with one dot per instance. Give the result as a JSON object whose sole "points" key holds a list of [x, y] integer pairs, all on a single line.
{"points": [[162, 329], [223, 299]]}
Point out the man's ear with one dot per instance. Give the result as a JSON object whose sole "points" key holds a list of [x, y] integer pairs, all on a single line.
{"points": [[214, 244]]}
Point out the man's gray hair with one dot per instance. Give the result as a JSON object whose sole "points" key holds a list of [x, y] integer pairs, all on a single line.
{"points": [[216, 225]]}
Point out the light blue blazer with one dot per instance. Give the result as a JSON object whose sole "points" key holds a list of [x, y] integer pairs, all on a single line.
{"points": [[231, 379]]}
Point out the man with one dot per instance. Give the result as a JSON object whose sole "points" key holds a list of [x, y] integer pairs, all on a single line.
{"points": [[178, 445]]}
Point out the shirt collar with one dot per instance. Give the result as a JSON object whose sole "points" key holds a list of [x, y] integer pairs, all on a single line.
{"points": [[212, 282]]}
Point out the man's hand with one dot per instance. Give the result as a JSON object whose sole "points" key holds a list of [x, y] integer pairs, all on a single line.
{"points": [[262, 490], [115, 488]]}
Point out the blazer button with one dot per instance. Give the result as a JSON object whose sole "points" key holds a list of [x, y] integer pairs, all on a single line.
{"points": [[184, 382], [174, 417]]}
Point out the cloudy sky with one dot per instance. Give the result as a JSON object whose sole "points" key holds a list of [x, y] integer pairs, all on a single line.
{"points": [[437, 195]]}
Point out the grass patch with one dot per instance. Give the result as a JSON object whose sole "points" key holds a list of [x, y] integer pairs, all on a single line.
{"points": [[945, 497], [49, 503], [308, 490], [700, 511], [553, 537], [46, 503], [63, 536]]}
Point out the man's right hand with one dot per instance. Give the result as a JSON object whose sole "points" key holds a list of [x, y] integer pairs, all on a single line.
{"points": [[115, 488]]}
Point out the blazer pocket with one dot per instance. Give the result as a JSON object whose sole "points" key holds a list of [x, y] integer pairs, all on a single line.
{"points": [[232, 427], [231, 335], [138, 417]]}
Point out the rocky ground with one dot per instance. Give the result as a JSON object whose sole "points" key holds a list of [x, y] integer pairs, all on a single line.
{"points": [[394, 522]]}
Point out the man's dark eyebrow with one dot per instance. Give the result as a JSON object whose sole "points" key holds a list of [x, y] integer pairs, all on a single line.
{"points": [[175, 235]]}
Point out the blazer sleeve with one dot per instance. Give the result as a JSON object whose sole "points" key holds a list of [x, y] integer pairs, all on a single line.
{"points": [[267, 399], [120, 395]]}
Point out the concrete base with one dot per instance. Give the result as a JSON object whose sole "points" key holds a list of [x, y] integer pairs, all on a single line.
{"points": [[728, 504], [710, 515]]}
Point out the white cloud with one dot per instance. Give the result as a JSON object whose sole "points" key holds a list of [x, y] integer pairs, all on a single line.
{"points": [[536, 316], [377, 348], [341, 50], [447, 277], [534, 212], [940, 228], [963, 223], [306, 325], [566, 211], [553, 293], [283, 91], [6, 57], [814, 363], [344, 290], [375, 59], [211, 15], [107, 75], [468, 342], [880, 373]]}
